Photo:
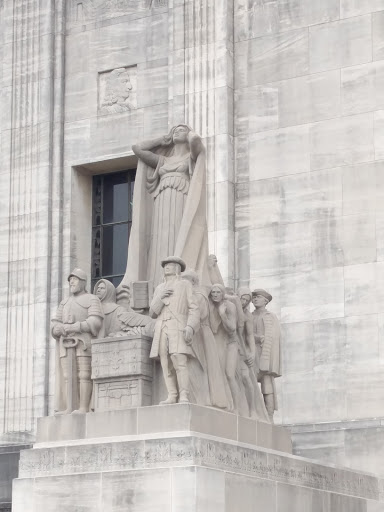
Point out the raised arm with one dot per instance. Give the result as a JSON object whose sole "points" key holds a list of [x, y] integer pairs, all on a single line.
{"points": [[143, 151], [196, 145], [228, 315]]}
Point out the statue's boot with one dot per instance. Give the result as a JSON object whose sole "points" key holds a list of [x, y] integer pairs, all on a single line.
{"points": [[172, 399], [183, 382], [61, 413], [270, 405], [182, 374], [171, 384], [85, 397], [184, 397]]}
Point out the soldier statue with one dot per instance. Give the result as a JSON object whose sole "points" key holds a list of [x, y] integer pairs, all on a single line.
{"points": [[78, 320]]}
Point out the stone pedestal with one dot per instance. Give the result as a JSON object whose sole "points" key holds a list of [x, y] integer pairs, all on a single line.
{"points": [[357, 444], [122, 372], [162, 419], [180, 458]]}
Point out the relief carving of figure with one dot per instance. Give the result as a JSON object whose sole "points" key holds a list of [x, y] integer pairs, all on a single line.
{"points": [[177, 319], [118, 320], [78, 320], [118, 91], [169, 206], [267, 336]]}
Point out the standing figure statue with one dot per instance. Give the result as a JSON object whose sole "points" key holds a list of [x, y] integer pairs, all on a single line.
{"points": [[169, 206], [267, 338], [106, 292], [223, 320], [204, 344], [177, 319], [250, 358], [78, 320]]}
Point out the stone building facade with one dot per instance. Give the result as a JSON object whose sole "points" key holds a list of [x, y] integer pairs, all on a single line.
{"points": [[289, 98]]}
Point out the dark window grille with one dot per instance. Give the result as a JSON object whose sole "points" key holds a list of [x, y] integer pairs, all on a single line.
{"points": [[111, 224]]}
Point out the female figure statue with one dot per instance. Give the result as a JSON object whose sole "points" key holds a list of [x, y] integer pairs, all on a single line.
{"points": [[119, 321], [169, 206]]}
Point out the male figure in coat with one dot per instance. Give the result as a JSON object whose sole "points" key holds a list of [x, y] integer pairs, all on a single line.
{"points": [[178, 318], [249, 361], [78, 320], [267, 337]]}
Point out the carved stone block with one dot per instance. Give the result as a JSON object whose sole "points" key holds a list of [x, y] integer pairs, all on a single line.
{"points": [[57, 473], [118, 90], [121, 372]]}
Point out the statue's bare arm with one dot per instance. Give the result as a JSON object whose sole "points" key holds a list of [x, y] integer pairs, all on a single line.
{"points": [[196, 145], [227, 312], [143, 151]]}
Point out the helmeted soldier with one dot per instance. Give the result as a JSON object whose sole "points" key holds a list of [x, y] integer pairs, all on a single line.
{"points": [[178, 318], [78, 320]]}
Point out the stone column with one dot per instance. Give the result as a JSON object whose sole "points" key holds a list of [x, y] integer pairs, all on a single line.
{"points": [[201, 94], [31, 74]]}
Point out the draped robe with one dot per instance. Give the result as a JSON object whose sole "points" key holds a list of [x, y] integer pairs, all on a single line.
{"points": [[169, 217]]}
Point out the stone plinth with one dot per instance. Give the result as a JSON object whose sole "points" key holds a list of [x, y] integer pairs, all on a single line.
{"points": [[163, 419], [183, 472], [357, 444], [122, 372]]}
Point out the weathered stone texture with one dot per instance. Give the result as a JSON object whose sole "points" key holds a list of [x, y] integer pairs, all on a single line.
{"points": [[288, 96], [187, 471], [309, 137]]}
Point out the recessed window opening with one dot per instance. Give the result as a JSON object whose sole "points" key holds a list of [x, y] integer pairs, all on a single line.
{"points": [[112, 197]]}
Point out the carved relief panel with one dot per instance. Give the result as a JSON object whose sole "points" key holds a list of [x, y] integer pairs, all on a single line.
{"points": [[118, 90]]}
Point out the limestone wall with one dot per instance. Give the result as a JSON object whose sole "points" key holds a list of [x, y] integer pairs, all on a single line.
{"points": [[65, 115], [287, 95], [31, 84], [309, 194]]}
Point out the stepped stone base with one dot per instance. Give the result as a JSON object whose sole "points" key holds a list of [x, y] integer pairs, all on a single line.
{"points": [[357, 444], [174, 462], [160, 419]]}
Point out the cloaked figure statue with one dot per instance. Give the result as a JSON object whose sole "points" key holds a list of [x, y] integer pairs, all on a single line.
{"points": [[169, 207]]}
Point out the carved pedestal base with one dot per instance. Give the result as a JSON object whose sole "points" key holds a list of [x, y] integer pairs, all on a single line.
{"points": [[179, 458], [121, 372]]}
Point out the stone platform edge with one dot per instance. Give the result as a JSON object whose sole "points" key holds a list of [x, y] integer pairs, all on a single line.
{"points": [[194, 450], [160, 419]]}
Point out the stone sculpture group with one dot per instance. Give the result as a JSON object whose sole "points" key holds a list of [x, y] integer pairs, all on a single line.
{"points": [[213, 351]]}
